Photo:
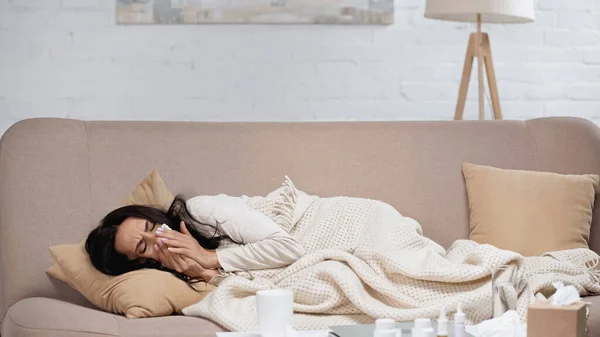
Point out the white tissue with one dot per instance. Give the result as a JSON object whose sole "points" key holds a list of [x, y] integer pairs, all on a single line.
{"points": [[564, 295], [507, 325]]}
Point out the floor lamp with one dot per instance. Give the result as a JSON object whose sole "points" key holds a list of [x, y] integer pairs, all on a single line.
{"points": [[480, 11]]}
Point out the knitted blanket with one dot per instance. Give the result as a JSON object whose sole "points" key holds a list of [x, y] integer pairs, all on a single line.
{"points": [[365, 261]]}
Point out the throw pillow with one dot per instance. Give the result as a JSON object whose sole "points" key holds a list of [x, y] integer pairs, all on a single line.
{"points": [[529, 212], [139, 294], [55, 271], [151, 191]]}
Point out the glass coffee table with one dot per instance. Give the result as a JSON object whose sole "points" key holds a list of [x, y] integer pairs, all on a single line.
{"points": [[366, 330], [357, 330]]}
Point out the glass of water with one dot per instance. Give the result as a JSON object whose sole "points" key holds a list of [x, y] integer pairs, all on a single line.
{"points": [[505, 289]]}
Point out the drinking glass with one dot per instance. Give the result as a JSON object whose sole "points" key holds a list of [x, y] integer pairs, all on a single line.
{"points": [[505, 289]]}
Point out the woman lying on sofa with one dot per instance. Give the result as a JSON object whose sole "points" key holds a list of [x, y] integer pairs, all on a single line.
{"points": [[187, 245], [364, 259]]}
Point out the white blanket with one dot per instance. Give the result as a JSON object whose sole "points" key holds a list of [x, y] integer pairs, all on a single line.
{"points": [[365, 261]]}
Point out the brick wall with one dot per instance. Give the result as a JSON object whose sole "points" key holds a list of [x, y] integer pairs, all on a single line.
{"points": [[67, 58]]}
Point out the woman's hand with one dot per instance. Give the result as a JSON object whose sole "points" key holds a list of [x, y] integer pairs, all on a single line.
{"points": [[183, 265], [186, 245]]}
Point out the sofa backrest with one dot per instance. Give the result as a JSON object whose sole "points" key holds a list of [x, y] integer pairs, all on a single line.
{"points": [[59, 177]]}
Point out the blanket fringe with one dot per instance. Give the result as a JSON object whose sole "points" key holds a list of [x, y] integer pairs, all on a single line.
{"points": [[592, 267], [284, 207]]}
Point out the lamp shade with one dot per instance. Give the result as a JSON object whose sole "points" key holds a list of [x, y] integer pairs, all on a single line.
{"points": [[492, 11]]}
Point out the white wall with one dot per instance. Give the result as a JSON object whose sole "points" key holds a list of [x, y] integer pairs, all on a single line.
{"points": [[67, 58]]}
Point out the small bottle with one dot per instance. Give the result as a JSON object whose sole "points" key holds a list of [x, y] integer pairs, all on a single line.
{"points": [[442, 324], [428, 332], [385, 327], [420, 325], [398, 332], [459, 322]]}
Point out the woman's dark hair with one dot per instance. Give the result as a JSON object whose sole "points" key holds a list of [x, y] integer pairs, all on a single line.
{"points": [[100, 243]]}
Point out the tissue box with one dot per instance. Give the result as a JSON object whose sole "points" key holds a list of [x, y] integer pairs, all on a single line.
{"points": [[546, 320]]}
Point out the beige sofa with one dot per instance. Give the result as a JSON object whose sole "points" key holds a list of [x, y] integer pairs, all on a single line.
{"points": [[59, 177]]}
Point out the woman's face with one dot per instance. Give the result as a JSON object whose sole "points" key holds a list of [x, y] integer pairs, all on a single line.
{"points": [[136, 238]]}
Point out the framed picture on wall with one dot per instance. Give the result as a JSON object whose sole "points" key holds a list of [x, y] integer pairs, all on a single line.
{"points": [[369, 12]]}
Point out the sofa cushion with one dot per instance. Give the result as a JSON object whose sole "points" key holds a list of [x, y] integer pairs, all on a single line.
{"points": [[44, 317], [39, 316], [529, 212]]}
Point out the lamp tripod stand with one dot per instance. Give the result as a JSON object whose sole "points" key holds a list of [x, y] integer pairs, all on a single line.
{"points": [[478, 47]]}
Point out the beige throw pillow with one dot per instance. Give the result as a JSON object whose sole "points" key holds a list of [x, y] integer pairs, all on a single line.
{"points": [[55, 271], [529, 212], [138, 294], [151, 191]]}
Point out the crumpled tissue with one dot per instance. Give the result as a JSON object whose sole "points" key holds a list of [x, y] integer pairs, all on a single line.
{"points": [[507, 325], [564, 295]]}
